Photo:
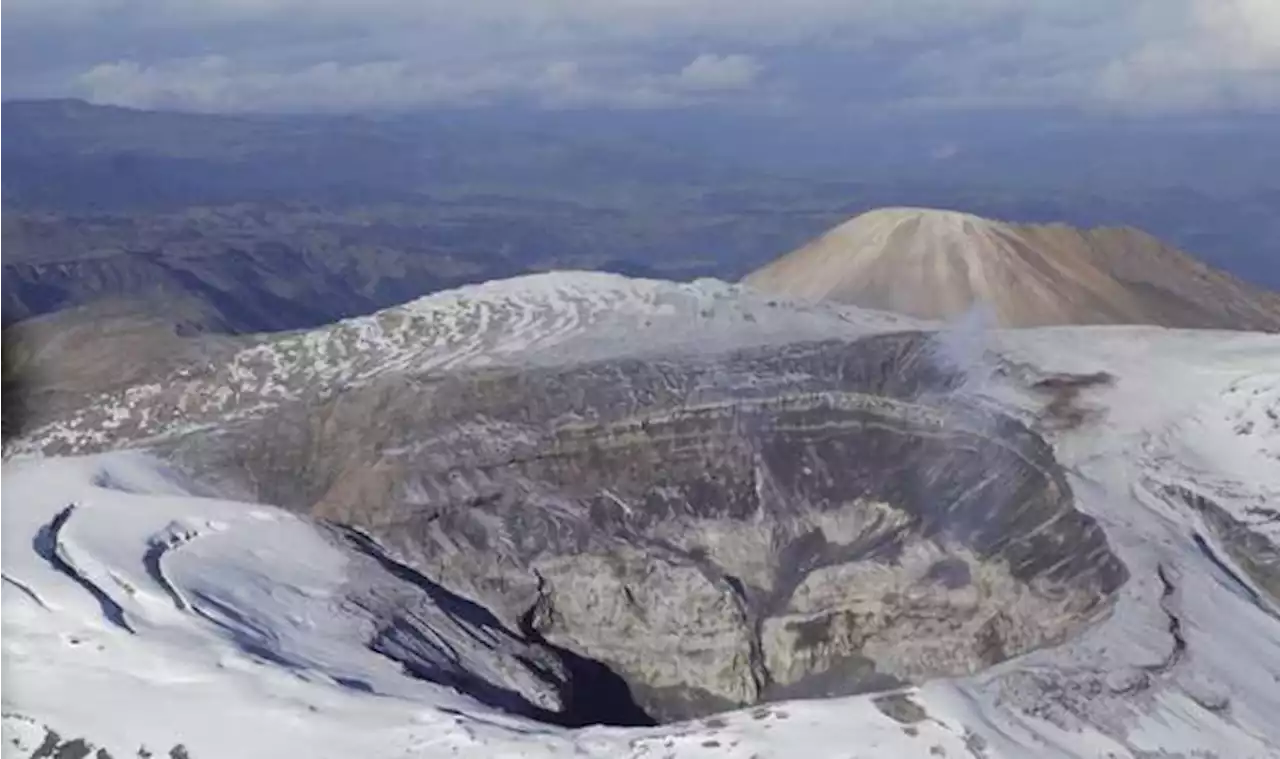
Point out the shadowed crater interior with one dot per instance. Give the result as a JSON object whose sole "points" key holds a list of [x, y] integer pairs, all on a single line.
{"points": [[805, 521]]}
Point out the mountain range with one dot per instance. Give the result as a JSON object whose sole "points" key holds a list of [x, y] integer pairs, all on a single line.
{"points": [[324, 439], [287, 222]]}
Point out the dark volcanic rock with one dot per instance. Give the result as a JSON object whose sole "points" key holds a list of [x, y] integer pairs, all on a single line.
{"points": [[809, 520]]}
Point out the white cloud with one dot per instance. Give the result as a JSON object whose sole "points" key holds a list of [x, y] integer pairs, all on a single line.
{"points": [[749, 19], [294, 54], [216, 83], [1227, 53], [710, 72]]}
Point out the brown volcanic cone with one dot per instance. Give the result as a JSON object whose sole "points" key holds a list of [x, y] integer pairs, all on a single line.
{"points": [[937, 264]]}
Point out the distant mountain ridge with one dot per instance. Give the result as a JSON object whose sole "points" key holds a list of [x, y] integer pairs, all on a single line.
{"points": [[938, 264], [77, 156], [277, 222]]}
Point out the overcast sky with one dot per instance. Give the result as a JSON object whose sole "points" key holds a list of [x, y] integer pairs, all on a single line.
{"points": [[288, 55]]}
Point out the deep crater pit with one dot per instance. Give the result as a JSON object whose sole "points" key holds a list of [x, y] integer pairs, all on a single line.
{"points": [[693, 535]]}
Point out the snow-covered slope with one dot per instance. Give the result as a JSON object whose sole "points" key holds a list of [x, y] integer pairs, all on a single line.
{"points": [[123, 592], [140, 618], [137, 614], [228, 646], [535, 319]]}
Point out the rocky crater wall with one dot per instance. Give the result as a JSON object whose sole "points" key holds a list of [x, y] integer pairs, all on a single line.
{"points": [[813, 520]]}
